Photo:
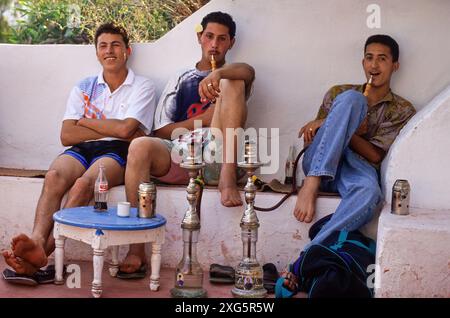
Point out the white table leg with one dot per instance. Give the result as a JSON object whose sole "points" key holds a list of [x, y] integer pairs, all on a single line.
{"points": [[114, 266], [59, 259], [98, 267], [156, 266]]}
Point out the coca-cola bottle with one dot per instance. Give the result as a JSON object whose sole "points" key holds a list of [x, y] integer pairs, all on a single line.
{"points": [[101, 191]]}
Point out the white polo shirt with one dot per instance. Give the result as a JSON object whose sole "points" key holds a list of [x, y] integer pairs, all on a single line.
{"points": [[92, 98]]}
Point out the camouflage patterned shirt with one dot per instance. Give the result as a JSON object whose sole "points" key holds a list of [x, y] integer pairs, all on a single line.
{"points": [[385, 119]]}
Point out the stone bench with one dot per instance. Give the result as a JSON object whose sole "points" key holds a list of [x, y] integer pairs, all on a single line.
{"points": [[281, 237]]}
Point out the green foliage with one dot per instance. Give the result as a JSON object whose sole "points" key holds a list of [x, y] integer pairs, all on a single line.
{"points": [[4, 27], [75, 21]]}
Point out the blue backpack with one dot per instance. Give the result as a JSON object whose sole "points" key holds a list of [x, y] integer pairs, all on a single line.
{"points": [[337, 267]]}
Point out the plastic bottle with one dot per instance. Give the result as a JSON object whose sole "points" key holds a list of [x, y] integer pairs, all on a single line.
{"points": [[101, 191]]}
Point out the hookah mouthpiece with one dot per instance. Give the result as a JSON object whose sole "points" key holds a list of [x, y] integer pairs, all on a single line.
{"points": [[213, 63], [368, 86]]}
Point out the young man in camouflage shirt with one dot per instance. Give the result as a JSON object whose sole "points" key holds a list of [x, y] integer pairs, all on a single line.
{"points": [[349, 138], [347, 142]]}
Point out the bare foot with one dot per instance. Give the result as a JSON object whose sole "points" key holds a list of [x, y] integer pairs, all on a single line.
{"points": [[131, 263], [20, 266], [305, 208], [230, 196], [29, 250]]}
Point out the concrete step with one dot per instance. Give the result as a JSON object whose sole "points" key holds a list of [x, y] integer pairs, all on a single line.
{"points": [[413, 254]]}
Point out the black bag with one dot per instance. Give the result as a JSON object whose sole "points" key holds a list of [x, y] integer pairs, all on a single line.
{"points": [[337, 267]]}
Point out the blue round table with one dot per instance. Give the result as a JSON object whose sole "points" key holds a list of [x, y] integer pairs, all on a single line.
{"points": [[104, 229], [86, 217]]}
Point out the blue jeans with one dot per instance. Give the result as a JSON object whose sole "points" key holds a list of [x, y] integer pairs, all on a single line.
{"points": [[341, 170]]}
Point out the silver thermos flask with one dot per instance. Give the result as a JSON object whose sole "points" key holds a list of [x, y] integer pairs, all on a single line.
{"points": [[147, 200], [400, 197]]}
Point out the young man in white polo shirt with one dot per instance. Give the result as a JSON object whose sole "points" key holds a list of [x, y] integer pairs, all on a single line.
{"points": [[104, 113]]}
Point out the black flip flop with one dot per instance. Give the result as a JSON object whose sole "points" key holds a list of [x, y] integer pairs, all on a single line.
{"points": [[140, 273], [12, 277], [221, 274], [42, 276], [47, 275]]}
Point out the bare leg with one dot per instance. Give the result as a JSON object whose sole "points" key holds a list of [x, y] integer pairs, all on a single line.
{"points": [[230, 112], [61, 175], [145, 156], [82, 191], [305, 208], [49, 244]]}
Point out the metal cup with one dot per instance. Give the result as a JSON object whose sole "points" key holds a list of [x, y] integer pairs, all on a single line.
{"points": [[400, 197], [147, 200]]}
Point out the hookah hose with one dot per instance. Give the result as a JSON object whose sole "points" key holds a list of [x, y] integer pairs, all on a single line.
{"points": [[201, 183], [294, 186]]}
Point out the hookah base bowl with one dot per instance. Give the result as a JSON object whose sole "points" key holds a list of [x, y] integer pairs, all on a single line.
{"points": [[253, 293], [188, 293]]}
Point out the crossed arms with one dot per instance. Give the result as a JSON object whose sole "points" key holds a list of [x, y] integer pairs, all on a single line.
{"points": [[76, 131]]}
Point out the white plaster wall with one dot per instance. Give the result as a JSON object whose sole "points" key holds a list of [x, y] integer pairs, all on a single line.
{"points": [[421, 154], [298, 47]]}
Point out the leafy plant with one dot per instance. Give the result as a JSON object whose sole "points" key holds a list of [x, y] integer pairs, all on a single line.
{"points": [[75, 21], [4, 27]]}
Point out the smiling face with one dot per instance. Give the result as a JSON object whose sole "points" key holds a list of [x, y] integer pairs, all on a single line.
{"points": [[112, 52], [215, 40], [378, 62]]}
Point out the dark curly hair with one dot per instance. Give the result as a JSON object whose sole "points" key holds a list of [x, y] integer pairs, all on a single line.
{"points": [[385, 40], [112, 29], [221, 18]]}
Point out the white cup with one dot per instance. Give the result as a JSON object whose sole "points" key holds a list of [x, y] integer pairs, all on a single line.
{"points": [[123, 209]]}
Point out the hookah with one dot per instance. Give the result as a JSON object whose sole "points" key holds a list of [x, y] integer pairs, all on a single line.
{"points": [[249, 273], [188, 273]]}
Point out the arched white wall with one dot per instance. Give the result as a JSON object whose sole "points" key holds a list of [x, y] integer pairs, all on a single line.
{"points": [[421, 155], [299, 48]]}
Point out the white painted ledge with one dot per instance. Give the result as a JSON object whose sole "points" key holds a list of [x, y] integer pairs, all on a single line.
{"points": [[413, 254], [281, 237]]}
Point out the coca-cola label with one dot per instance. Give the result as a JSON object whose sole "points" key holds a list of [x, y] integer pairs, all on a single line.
{"points": [[103, 187]]}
